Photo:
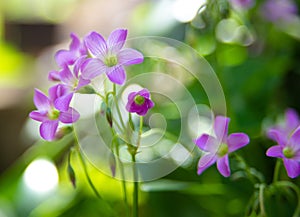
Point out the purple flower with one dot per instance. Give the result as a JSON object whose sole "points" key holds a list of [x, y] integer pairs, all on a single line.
{"points": [[71, 80], [68, 57], [286, 129], [139, 102], [109, 57], [288, 150], [49, 113], [279, 10], [244, 4], [217, 148]]}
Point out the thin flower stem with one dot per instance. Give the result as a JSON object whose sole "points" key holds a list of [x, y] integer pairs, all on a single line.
{"points": [[135, 195], [276, 170], [295, 189], [140, 132], [261, 200], [83, 163], [124, 188], [117, 106], [254, 178], [135, 209]]}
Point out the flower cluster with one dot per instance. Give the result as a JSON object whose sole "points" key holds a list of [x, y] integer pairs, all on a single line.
{"points": [[287, 137], [82, 62]]}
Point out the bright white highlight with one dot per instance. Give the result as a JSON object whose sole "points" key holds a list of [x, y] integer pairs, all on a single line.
{"points": [[185, 10], [41, 176]]}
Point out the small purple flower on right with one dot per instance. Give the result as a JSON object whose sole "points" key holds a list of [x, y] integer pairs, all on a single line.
{"points": [[139, 102], [279, 10], [288, 150], [287, 137]]}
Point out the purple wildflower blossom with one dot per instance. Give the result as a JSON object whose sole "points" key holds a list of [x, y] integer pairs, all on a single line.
{"points": [[217, 148], [279, 10], [72, 80], [288, 149], [109, 56], [68, 57], [49, 113], [243, 4], [139, 102], [290, 124]]}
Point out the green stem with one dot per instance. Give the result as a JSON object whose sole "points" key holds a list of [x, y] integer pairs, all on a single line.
{"points": [[261, 200], [135, 195], [125, 198], [276, 171], [295, 189], [83, 163], [117, 106], [253, 177], [140, 132]]}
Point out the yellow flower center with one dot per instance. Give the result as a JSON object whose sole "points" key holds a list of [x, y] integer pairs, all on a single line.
{"points": [[223, 150], [139, 100], [111, 61], [288, 152], [53, 114]]}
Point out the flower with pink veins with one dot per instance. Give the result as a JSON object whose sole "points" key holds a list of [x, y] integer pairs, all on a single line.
{"points": [[49, 114], [218, 148], [109, 56]]}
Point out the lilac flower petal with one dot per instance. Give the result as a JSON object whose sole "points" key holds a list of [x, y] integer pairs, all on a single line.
{"points": [[57, 91], [48, 129], [275, 151], [207, 143], [54, 76], [131, 96], [69, 116], [91, 68], [223, 166], [142, 112], [144, 92], [116, 74], [116, 40], [206, 161], [278, 136], [78, 65], [130, 56], [64, 58], [150, 104], [39, 115], [75, 44], [292, 119], [292, 167], [96, 44], [63, 103], [295, 139], [236, 141], [221, 127], [41, 101], [82, 82], [67, 77]]}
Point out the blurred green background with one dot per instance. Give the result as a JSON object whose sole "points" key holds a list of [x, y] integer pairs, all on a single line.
{"points": [[255, 58]]}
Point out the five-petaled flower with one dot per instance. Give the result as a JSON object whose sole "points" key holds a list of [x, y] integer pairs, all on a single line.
{"points": [[288, 149], [109, 56], [49, 113], [217, 148], [139, 102]]}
